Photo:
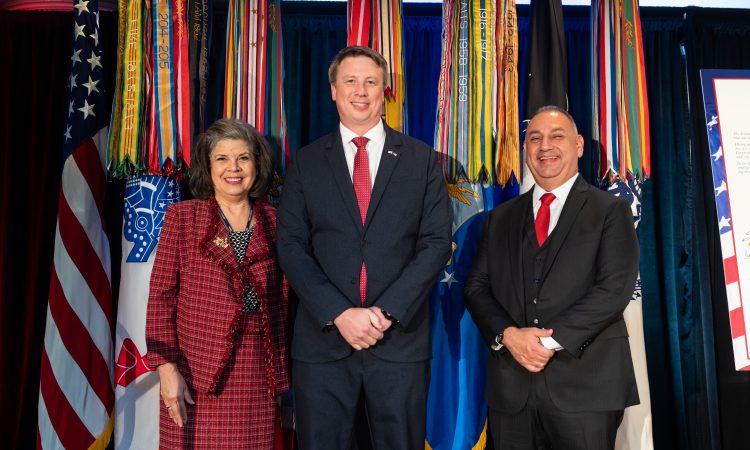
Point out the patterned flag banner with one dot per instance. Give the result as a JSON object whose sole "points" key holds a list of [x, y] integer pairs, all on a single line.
{"points": [[378, 24], [254, 71], [182, 77], [76, 399], [151, 126], [505, 83], [200, 16], [726, 94], [636, 429], [620, 101], [162, 33], [621, 134], [275, 120], [125, 139], [136, 387], [169, 133], [477, 112]]}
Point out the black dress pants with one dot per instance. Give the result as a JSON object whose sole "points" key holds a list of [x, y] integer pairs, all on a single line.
{"points": [[540, 425], [326, 397]]}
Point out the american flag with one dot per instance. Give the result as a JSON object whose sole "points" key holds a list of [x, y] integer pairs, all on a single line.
{"points": [[76, 398]]}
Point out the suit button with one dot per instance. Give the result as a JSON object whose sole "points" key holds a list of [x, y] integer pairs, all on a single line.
{"points": [[355, 280], [534, 301], [536, 321], [536, 280]]}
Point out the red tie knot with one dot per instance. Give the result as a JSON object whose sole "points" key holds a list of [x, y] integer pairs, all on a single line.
{"points": [[548, 198], [361, 142]]}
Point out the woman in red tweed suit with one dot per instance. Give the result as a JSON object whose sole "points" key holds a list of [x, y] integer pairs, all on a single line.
{"points": [[217, 309]]}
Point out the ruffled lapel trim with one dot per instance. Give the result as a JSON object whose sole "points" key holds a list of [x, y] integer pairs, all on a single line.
{"points": [[215, 246]]}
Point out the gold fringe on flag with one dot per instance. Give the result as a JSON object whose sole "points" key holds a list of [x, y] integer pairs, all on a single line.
{"points": [[254, 74], [507, 155], [481, 46], [150, 123], [620, 105], [245, 76], [477, 111], [124, 145]]}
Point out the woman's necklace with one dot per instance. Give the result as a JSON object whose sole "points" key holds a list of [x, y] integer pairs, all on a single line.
{"points": [[240, 241], [229, 226]]}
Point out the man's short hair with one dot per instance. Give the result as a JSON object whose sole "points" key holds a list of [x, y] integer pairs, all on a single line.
{"points": [[548, 108], [352, 52]]}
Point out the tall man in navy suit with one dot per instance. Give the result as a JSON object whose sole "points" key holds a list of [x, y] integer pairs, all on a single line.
{"points": [[554, 271], [364, 227]]}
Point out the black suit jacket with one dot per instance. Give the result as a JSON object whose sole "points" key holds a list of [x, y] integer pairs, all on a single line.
{"points": [[588, 280], [405, 241]]}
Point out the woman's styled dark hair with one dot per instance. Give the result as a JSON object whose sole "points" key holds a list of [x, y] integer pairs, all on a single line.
{"points": [[200, 173]]}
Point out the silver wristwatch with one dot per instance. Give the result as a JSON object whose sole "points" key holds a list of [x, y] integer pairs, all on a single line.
{"points": [[498, 342]]}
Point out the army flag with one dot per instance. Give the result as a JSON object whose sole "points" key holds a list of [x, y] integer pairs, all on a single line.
{"points": [[136, 387]]}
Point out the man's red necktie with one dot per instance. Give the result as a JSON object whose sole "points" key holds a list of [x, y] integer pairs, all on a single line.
{"points": [[361, 180], [541, 223]]}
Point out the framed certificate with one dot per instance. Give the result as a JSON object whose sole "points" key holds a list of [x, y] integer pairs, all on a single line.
{"points": [[726, 96]]}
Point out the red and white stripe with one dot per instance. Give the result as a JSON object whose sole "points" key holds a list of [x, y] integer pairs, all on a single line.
{"points": [[76, 398], [359, 14], [738, 314]]}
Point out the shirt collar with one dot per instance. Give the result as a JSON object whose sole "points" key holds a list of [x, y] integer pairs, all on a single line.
{"points": [[561, 192], [375, 134]]}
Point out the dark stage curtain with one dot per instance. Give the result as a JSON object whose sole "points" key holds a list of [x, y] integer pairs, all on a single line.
{"points": [[697, 397], [310, 43], [422, 51], [35, 48], [677, 318], [32, 89], [714, 39]]}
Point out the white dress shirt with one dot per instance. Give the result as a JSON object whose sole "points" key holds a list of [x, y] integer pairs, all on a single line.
{"points": [[376, 136], [555, 208]]}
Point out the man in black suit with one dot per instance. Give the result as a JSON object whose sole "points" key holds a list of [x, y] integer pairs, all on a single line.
{"points": [[551, 279], [364, 227]]}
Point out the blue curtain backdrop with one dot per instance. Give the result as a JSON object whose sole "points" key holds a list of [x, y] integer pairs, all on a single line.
{"points": [[714, 39], [684, 301], [677, 318]]}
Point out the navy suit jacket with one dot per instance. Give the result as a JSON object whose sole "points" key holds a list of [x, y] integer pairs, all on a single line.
{"points": [[404, 242], [588, 279]]}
